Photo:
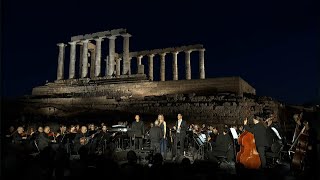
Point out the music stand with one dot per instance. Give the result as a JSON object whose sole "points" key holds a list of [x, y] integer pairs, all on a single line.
{"points": [[200, 140], [235, 138], [131, 135]]}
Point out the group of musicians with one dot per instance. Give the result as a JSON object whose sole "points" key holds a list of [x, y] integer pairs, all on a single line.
{"points": [[222, 139]]}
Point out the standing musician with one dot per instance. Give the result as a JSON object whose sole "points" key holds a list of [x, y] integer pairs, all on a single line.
{"points": [[138, 130], [181, 131], [165, 133], [155, 137], [260, 136]]}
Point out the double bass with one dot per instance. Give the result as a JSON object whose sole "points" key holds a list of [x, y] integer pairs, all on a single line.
{"points": [[301, 143], [248, 155]]}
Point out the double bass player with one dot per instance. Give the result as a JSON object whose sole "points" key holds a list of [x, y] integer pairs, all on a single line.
{"points": [[260, 135]]}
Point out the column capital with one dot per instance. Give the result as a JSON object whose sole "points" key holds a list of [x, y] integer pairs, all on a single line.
{"points": [[85, 41], [163, 54], [61, 45], [188, 51], [203, 49], [151, 55], [176, 52], [140, 56], [126, 35], [73, 42], [98, 39], [112, 37]]}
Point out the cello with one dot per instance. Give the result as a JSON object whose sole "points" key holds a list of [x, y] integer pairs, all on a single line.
{"points": [[301, 143], [248, 155]]}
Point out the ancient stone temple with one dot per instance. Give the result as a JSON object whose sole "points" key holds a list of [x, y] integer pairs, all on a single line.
{"points": [[123, 90]]}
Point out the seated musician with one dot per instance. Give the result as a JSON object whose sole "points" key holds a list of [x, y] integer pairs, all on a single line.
{"points": [[62, 134], [44, 140], [9, 135], [274, 132], [19, 136], [92, 129], [104, 139], [82, 138], [223, 146], [260, 135]]}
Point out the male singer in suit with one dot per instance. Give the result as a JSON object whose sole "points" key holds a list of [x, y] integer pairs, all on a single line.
{"points": [[181, 131]]}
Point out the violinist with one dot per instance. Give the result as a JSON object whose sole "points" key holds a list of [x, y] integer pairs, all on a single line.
{"points": [[19, 136], [60, 137], [10, 133], [44, 139], [81, 138], [260, 135], [104, 138]]}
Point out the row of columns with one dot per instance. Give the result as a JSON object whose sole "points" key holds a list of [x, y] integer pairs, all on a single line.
{"points": [[126, 60], [110, 65], [175, 65]]}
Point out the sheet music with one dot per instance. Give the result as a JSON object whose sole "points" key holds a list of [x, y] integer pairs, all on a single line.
{"points": [[234, 133], [276, 132]]}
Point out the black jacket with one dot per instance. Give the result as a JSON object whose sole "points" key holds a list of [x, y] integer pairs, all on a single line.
{"points": [[184, 127], [260, 134], [138, 128], [223, 143], [155, 134]]}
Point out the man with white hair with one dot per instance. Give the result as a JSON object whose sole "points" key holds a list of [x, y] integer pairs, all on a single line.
{"points": [[155, 137]]}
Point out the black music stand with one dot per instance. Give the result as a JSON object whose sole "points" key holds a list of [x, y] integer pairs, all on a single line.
{"points": [[131, 136], [200, 141]]}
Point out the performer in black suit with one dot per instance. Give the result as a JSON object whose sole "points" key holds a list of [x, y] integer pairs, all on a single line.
{"points": [[260, 135], [181, 131], [138, 128]]}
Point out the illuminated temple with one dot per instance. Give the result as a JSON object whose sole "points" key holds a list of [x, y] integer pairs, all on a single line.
{"points": [[110, 84]]}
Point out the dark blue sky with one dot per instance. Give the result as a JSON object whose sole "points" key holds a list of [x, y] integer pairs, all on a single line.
{"points": [[271, 45]]}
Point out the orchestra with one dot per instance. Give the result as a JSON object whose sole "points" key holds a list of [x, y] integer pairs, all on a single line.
{"points": [[226, 142]]}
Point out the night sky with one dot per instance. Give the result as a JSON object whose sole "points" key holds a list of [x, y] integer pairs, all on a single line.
{"points": [[270, 45]]}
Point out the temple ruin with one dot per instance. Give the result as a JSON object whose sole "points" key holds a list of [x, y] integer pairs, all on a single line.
{"points": [[121, 90]]}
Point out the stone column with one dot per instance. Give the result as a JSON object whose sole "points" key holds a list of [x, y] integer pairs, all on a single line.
{"points": [[151, 67], [72, 64], [126, 58], [97, 70], [111, 59], [201, 64], [175, 65], [84, 72], [80, 59], [118, 67], [129, 66], [162, 66], [188, 65], [60, 70], [139, 60]]}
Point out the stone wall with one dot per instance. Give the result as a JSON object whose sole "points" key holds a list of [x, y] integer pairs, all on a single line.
{"points": [[222, 108], [140, 89]]}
